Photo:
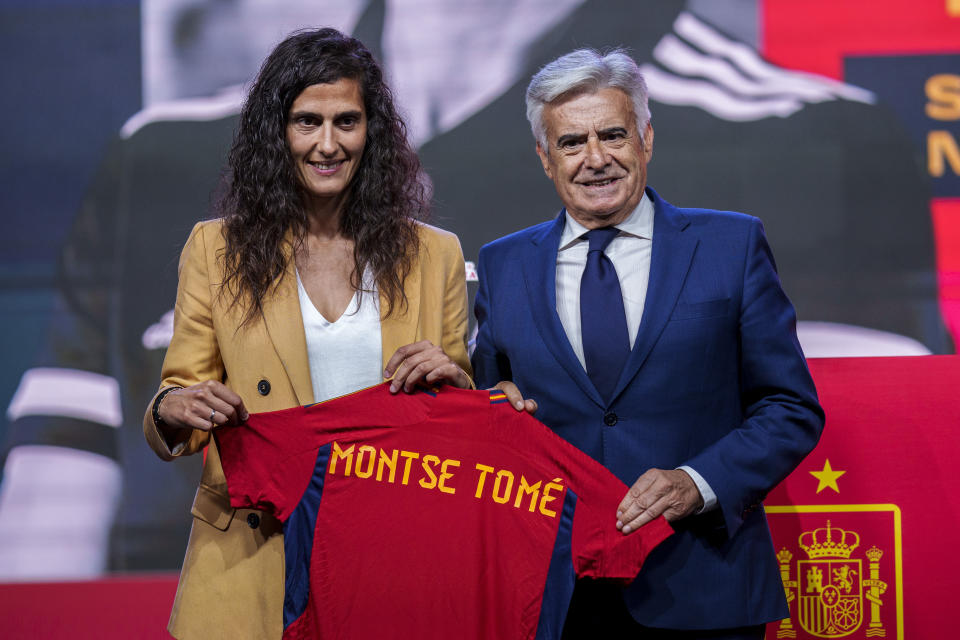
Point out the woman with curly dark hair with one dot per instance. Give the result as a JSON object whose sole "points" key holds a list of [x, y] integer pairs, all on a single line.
{"points": [[318, 279]]}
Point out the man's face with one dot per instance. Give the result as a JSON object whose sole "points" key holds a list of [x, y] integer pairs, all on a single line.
{"points": [[596, 157]]}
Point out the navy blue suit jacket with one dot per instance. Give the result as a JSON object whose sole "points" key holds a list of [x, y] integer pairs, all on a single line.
{"points": [[716, 380]]}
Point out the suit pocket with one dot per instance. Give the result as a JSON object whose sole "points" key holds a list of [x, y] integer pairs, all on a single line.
{"points": [[705, 309], [213, 508]]}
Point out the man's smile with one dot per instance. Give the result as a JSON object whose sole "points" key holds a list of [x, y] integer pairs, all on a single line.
{"points": [[599, 182]]}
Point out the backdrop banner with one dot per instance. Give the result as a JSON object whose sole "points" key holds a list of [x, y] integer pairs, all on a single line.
{"points": [[864, 528]]}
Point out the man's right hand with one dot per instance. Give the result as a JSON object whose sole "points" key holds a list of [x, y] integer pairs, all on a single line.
{"points": [[670, 493], [515, 397], [202, 406]]}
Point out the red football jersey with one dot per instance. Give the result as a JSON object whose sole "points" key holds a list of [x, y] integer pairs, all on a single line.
{"points": [[443, 514]]}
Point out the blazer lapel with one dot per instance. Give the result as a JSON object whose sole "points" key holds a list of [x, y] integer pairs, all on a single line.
{"points": [[284, 322], [401, 327], [669, 263], [540, 277]]}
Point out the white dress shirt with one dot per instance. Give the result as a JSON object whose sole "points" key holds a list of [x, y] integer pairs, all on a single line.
{"points": [[630, 254]]}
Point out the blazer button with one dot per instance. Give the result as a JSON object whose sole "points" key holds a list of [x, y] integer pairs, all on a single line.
{"points": [[610, 419], [263, 387], [253, 520]]}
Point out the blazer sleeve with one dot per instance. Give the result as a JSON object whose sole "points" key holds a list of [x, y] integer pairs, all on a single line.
{"points": [[782, 417], [194, 354], [454, 342]]}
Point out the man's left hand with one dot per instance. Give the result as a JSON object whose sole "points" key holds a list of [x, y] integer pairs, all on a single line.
{"points": [[671, 493]]}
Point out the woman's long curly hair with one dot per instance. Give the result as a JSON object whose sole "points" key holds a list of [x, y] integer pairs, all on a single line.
{"points": [[264, 198]]}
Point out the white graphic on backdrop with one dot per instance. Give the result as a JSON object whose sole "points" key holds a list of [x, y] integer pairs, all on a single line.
{"points": [[447, 60], [699, 67]]}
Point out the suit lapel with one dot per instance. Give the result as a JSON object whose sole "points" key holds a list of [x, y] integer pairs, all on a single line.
{"points": [[401, 327], [669, 263], [284, 322], [540, 277]]}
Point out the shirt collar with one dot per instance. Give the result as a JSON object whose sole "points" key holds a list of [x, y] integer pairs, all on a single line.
{"points": [[638, 224]]}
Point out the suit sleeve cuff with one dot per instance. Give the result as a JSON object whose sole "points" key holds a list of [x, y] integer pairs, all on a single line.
{"points": [[708, 495]]}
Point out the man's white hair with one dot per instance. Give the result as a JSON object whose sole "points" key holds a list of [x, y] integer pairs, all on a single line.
{"points": [[585, 71]]}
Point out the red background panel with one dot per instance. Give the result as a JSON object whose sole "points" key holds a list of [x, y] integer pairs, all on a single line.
{"points": [[128, 607], [815, 35], [893, 427], [946, 227]]}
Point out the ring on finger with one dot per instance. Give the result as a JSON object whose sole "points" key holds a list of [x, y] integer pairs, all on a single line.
{"points": [[213, 412]]}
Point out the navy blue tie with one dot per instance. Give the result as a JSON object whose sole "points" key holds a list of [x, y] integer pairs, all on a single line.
{"points": [[603, 321]]}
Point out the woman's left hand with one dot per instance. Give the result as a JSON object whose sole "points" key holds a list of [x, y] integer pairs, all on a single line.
{"points": [[423, 362]]}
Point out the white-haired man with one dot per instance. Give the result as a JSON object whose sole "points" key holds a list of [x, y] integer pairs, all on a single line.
{"points": [[659, 341]]}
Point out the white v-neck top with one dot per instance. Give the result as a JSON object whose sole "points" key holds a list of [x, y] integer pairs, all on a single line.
{"points": [[345, 355]]}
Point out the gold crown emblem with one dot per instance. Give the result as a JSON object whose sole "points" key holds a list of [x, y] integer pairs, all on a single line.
{"points": [[829, 542], [873, 554]]}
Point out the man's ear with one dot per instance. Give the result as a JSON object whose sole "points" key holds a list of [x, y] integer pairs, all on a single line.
{"points": [[545, 161], [648, 142]]}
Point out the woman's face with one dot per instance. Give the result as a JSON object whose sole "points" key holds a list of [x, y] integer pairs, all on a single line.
{"points": [[326, 133]]}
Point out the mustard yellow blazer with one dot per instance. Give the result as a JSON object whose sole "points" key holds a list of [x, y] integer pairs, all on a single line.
{"points": [[231, 584]]}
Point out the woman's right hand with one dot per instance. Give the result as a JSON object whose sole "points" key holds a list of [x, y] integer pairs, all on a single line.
{"points": [[202, 406]]}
